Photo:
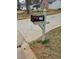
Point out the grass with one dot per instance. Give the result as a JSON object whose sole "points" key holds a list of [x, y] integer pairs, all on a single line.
{"points": [[24, 15], [40, 41], [50, 48], [46, 41]]}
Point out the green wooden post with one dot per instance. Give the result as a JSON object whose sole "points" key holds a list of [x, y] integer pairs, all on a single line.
{"points": [[42, 24]]}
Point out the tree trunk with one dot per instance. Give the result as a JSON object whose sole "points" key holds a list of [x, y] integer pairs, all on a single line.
{"points": [[27, 6], [18, 5], [44, 4]]}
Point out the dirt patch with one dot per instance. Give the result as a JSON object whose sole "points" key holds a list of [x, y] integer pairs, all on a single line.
{"points": [[24, 15], [53, 11], [51, 49]]}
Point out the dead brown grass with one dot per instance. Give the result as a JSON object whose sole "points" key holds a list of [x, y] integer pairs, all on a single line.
{"points": [[51, 49], [24, 15]]}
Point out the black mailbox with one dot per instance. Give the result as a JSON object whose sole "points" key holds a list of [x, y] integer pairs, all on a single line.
{"points": [[35, 18]]}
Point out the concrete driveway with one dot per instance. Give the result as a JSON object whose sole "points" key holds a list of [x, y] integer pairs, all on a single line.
{"points": [[31, 31], [25, 52]]}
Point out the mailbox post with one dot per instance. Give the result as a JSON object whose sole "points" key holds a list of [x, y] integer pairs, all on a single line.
{"points": [[40, 19]]}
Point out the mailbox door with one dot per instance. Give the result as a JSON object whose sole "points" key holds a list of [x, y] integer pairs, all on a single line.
{"points": [[35, 18]]}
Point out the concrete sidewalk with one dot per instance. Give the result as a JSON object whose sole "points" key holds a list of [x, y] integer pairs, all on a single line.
{"points": [[31, 31]]}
